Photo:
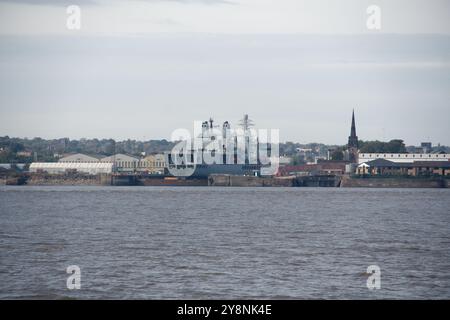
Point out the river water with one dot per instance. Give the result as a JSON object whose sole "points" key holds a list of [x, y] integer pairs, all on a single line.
{"points": [[223, 243]]}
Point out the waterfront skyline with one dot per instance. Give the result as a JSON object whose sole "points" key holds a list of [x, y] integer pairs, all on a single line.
{"points": [[233, 153]]}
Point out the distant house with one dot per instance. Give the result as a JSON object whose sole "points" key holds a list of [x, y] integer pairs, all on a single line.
{"points": [[284, 160], [78, 158], [5, 166], [24, 153], [426, 147]]}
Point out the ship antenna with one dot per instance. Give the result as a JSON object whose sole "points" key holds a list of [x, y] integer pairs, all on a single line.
{"points": [[246, 123]]}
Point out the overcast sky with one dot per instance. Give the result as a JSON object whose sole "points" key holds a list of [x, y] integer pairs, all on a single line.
{"points": [[140, 69]]}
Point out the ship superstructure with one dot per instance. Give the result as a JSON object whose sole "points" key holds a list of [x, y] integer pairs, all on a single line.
{"points": [[218, 150]]}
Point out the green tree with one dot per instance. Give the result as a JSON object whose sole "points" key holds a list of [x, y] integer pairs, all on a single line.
{"points": [[393, 146], [297, 160], [337, 155]]}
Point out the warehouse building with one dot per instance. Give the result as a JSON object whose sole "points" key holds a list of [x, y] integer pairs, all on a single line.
{"points": [[415, 168], [403, 157], [71, 167], [123, 162], [155, 163]]}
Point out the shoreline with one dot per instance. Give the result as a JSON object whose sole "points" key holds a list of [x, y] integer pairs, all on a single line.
{"points": [[222, 180]]}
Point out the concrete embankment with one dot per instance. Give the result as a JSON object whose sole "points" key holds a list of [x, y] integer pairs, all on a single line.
{"points": [[396, 182], [173, 182], [110, 180], [13, 181], [318, 181], [68, 180], [224, 180], [289, 181]]}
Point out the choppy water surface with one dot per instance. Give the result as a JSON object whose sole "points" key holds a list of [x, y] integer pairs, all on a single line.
{"points": [[162, 242]]}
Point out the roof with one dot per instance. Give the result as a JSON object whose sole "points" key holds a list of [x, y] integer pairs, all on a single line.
{"points": [[440, 164], [302, 168], [119, 157], [332, 165], [70, 165], [157, 157], [383, 163], [364, 164], [79, 157]]}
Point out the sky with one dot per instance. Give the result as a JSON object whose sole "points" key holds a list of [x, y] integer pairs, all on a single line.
{"points": [[141, 69]]}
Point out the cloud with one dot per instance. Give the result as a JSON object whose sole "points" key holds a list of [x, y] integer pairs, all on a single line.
{"points": [[65, 3], [207, 2]]}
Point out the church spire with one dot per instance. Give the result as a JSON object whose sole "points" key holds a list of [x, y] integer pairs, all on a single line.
{"points": [[353, 139], [353, 130]]}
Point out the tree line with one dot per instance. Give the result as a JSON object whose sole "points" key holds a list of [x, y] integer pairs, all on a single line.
{"points": [[38, 149], [24, 150]]}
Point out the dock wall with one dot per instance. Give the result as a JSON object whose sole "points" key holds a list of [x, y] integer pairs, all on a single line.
{"points": [[224, 180], [173, 182], [66, 180], [397, 182]]}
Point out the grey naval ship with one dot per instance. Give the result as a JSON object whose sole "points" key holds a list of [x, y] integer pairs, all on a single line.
{"points": [[249, 164]]}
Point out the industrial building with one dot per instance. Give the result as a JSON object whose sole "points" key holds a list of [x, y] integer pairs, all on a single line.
{"points": [[123, 162], [155, 163], [414, 168], [403, 157], [120, 162], [71, 167], [79, 162]]}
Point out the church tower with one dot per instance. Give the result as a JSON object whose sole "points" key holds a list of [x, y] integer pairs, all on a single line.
{"points": [[352, 145]]}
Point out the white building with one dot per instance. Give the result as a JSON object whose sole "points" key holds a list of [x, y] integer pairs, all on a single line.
{"points": [[63, 167], [79, 157], [284, 160], [403, 157]]}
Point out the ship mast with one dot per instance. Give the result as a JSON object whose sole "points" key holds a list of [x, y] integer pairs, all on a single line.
{"points": [[246, 123]]}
